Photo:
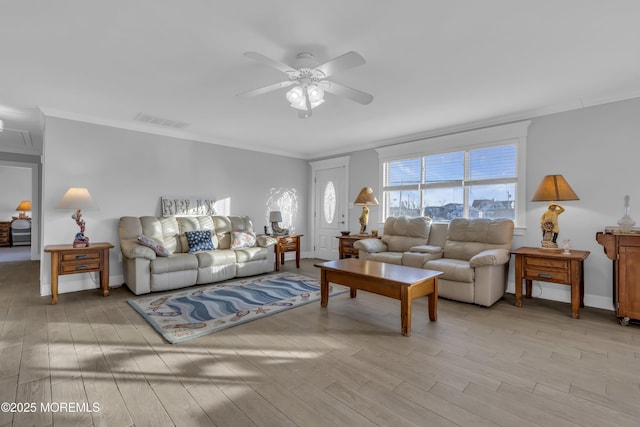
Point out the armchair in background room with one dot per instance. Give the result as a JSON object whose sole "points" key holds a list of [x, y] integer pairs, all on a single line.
{"points": [[21, 232]]}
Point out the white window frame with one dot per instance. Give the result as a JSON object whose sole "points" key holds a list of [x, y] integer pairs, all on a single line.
{"points": [[513, 133]]}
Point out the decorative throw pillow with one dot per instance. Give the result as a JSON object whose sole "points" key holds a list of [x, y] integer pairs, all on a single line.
{"points": [[199, 240], [150, 243], [240, 239]]}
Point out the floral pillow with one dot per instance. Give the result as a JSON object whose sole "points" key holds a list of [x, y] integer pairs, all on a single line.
{"points": [[150, 243], [199, 240], [240, 239]]}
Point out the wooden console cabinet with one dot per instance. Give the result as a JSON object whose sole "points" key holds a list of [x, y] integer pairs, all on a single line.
{"points": [[624, 250], [5, 238]]}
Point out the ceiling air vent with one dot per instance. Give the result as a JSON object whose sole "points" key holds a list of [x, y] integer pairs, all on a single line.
{"points": [[148, 118]]}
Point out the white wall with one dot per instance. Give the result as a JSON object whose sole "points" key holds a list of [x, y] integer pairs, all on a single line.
{"points": [[128, 172], [596, 150], [15, 186]]}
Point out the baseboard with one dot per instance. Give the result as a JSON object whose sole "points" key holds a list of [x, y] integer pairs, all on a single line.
{"points": [[80, 282], [563, 294]]}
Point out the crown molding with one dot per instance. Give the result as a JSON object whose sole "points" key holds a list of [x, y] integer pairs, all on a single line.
{"points": [[155, 130], [485, 123]]}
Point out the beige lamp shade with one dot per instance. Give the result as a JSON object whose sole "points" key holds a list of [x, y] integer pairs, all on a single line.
{"points": [[76, 198], [275, 216], [554, 188], [24, 205], [366, 198]]}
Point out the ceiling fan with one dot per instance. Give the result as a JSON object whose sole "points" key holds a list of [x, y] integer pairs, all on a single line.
{"points": [[309, 81]]}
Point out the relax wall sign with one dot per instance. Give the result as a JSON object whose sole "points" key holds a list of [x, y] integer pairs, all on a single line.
{"points": [[181, 206]]}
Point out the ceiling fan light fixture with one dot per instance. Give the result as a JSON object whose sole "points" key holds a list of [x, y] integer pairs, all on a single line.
{"points": [[307, 81], [316, 94], [297, 98]]}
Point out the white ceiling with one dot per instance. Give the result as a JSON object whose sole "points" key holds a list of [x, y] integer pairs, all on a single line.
{"points": [[433, 66]]}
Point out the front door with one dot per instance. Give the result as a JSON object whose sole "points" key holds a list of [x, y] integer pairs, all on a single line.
{"points": [[330, 210]]}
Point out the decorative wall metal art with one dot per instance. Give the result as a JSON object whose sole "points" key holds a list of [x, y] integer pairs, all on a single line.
{"points": [[187, 206]]}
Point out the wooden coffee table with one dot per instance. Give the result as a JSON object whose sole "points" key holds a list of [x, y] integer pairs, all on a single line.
{"points": [[389, 280]]}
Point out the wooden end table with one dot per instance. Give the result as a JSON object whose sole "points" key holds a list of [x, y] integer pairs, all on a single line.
{"points": [[390, 280], [345, 245], [65, 259], [551, 266], [289, 243]]}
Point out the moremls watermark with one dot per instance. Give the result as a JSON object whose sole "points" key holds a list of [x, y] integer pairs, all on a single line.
{"points": [[52, 407]]}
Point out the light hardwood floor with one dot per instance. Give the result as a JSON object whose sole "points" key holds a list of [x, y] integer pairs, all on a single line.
{"points": [[346, 365]]}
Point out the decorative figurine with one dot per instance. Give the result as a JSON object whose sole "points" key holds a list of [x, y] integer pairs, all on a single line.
{"points": [[549, 225], [626, 223], [81, 241], [364, 220]]}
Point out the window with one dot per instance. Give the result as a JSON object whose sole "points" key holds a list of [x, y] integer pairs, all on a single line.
{"points": [[471, 175], [329, 202]]}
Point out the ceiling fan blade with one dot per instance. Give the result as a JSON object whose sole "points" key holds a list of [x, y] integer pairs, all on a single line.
{"points": [[343, 62], [270, 62], [341, 90], [265, 89]]}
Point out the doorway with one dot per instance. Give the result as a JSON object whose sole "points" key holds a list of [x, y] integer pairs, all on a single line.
{"points": [[18, 182], [329, 199]]}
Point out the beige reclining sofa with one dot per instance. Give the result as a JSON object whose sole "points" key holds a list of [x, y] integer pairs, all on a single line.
{"points": [[473, 254], [156, 252]]}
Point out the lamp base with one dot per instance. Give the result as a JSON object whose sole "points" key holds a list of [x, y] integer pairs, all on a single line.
{"points": [[81, 241], [546, 245]]}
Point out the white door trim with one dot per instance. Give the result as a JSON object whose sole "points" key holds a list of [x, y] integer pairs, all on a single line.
{"points": [[321, 165]]}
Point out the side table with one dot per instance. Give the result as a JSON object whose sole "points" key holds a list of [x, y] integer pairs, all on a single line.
{"points": [[551, 266], [5, 233], [65, 259], [345, 245], [290, 243]]}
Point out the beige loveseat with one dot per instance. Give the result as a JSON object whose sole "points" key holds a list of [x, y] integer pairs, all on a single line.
{"points": [[473, 254], [169, 264]]}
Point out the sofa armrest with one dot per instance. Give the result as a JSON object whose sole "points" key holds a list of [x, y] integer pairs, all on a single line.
{"points": [[132, 249], [370, 245], [426, 249], [265, 241], [490, 257]]}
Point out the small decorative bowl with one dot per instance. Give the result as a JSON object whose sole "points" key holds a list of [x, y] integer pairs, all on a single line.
{"points": [[345, 233]]}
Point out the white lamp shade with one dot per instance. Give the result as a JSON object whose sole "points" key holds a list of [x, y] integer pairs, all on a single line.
{"points": [[76, 198], [275, 216]]}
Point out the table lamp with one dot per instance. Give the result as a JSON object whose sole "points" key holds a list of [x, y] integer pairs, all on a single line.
{"points": [[78, 199], [552, 189], [24, 206], [275, 217], [365, 198]]}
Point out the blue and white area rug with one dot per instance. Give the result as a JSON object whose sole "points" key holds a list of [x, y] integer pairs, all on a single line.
{"points": [[193, 312]]}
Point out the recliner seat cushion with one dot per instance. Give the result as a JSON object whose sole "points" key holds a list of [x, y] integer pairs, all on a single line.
{"points": [[174, 262], [454, 269], [388, 257], [215, 257], [251, 254]]}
